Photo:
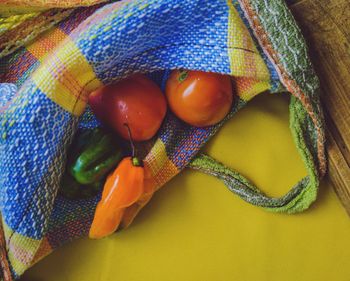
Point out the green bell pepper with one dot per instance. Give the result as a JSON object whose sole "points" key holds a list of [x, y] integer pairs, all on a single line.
{"points": [[71, 189], [91, 156], [96, 157]]}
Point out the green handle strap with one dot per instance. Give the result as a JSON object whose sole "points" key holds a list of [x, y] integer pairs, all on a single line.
{"points": [[299, 197]]}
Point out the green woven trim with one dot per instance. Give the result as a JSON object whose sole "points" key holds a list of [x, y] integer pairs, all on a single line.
{"points": [[296, 200], [275, 21], [283, 42], [287, 40]]}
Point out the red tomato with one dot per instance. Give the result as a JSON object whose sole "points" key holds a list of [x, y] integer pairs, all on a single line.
{"points": [[199, 98], [136, 101]]}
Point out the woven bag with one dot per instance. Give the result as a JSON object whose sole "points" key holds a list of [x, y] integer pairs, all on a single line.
{"points": [[46, 78]]}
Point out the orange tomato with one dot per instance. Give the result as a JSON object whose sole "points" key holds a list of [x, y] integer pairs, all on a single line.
{"points": [[136, 101], [199, 98]]}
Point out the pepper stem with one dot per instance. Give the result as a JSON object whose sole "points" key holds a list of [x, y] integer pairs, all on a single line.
{"points": [[135, 161], [131, 141]]}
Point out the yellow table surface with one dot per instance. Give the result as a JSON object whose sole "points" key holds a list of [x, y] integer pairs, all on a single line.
{"points": [[196, 229]]}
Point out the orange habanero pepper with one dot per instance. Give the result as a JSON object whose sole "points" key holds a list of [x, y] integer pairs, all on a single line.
{"points": [[122, 188]]}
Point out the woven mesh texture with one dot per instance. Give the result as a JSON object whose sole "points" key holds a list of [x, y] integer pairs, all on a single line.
{"points": [[47, 82]]}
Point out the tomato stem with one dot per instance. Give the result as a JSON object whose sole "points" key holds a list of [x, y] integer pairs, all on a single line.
{"points": [[183, 75]]}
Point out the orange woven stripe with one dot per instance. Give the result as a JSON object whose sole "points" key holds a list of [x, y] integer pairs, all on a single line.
{"points": [[43, 45]]}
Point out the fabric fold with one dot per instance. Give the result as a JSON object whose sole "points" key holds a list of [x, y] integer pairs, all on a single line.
{"points": [[53, 74]]}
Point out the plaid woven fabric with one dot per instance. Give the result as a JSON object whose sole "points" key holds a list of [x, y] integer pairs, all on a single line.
{"points": [[45, 86]]}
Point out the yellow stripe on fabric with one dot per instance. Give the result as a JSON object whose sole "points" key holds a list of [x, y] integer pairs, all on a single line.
{"points": [[245, 59], [66, 77], [247, 92], [22, 249], [161, 169]]}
